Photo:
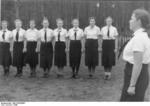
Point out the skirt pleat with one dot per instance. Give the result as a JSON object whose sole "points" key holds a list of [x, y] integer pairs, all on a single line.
{"points": [[31, 57], [60, 54], [141, 85], [18, 55], [108, 53], [91, 52], [75, 53], [5, 55], [46, 55]]}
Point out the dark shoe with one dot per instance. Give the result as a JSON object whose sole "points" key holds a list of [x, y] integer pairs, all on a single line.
{"points": [[60, 76], [90, 76], [32, 75], [106, 77], [45, 75], [73, 76]]}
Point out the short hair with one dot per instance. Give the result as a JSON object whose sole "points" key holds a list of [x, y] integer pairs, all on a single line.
{"points": [[92, 18], [59, 19], [143, 16]]}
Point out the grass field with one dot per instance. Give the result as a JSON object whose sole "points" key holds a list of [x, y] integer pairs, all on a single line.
{"points": [[66, 89]]}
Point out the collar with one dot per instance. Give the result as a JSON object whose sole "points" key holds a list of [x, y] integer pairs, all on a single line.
{"points": [[138, 31], [75, 29], [92, 27], [4, 30], [45, 28], [59, 29]]}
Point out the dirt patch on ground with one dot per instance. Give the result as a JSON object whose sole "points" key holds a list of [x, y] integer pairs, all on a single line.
{"points": [[66, 89]]}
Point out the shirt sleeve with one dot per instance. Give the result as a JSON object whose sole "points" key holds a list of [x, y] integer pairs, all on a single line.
{"points": [[116, 32], [85, 32], [11, 35], [68, 34], [138, 44], [98, 31], [102, 31], [82, 33]]}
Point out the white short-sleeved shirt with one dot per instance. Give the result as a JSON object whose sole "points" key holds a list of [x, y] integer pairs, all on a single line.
{"points": [[79, 33], [112, 32], [63, 34], [32, 35], [21, 34], [141, 43], [8, 36], [92, 33], [49, 34]]}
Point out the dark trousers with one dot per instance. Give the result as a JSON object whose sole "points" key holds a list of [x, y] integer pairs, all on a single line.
{"points": [[141, 85]]}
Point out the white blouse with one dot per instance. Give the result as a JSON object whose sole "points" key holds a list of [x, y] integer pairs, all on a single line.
{"points": [[141, 43], [92, 33], [32, 35], [8, 36], [71, 34], [21, 34], [63, 34], [112, 32], [49, 34]]}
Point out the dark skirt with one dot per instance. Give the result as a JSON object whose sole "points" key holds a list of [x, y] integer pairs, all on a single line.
{"points": [[75, 53], [91, 53], [5, 55], [60, 54], [108, 53], [141, 85], [18, 55], [46, 55], [31, 57]]}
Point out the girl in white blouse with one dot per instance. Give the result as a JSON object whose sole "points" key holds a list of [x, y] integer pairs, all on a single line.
{"points": [[137, 57], [92, 45], [31, 47], [18, 44], [46, 47], [109, 46], [75, 36], [5, 48], [60, 35]]}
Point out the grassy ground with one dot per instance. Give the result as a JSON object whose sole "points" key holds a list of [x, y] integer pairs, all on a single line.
{"points": [[52, 89]]}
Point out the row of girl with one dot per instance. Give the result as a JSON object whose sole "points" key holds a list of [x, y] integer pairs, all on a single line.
{"points": [[25, 46]]}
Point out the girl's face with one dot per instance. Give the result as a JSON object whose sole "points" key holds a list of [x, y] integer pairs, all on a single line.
{"points": [[108, 21], [92, 22], [133, 23], [32, 24], [75, 23], [4, 25], [45, 24], [59, 24], [18, 24]]}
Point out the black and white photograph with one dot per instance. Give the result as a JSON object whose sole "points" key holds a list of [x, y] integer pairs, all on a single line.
{"points": [[74, 51]]}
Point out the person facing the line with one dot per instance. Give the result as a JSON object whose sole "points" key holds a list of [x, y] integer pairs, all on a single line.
{"points": [[18, 44], [75, 36], [60, 36], [92, 45], [109, 46], [31, 47], [137, 56], [46, 47], [5, 48]]}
